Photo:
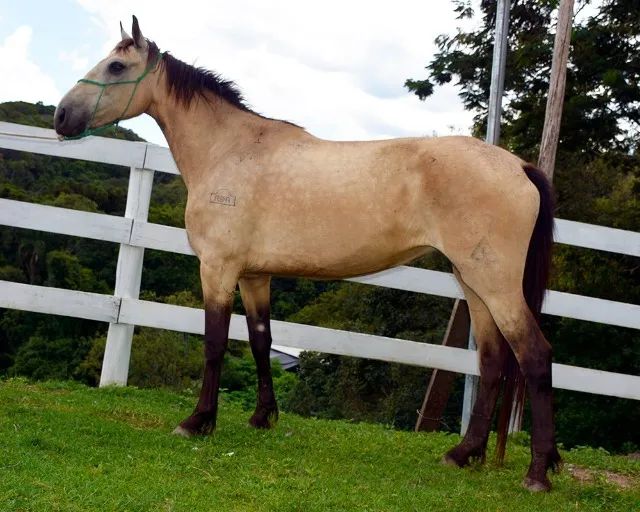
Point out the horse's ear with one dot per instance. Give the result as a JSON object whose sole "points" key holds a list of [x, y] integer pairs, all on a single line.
{"points": [[138, 39], [123, 33]]}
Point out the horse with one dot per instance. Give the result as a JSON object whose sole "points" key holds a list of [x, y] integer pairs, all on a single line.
{"points": [[266, 198]]}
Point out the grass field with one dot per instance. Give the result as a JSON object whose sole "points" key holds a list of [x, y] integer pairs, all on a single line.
{"points": [[64, 446]]}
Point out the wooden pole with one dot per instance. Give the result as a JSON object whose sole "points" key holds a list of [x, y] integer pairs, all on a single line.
{"points": [[555, 99], [441, 381]]}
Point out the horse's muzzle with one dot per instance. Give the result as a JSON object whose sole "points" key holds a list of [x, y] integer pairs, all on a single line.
{"points": [[69, 121]]}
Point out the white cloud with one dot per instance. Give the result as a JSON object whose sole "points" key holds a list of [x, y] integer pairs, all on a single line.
{"points": [[336, 67], [78, 62], [22, 79]]}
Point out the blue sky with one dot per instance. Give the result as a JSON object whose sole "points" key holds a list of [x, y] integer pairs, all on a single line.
{"points": [[57, 27], [51, 34], [335, 68]]}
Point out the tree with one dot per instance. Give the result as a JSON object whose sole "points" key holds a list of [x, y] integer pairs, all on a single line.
{"points": [[602, 97], [50, 358]]}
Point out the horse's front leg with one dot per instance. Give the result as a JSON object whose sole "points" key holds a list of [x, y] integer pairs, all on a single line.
{"points": [[218, 285], [255, 297]]}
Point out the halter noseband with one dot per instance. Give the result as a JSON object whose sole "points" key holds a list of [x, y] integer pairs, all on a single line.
{"points": [[103, 85]]}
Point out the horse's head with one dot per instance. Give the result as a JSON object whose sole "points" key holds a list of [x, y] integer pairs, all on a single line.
{"points": [[113, 90]]}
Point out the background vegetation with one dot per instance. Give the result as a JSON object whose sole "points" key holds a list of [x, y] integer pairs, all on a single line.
{"points": [[597, 180]]}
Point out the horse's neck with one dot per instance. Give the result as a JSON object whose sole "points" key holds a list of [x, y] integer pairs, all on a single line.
{"points": [[202, 135]]}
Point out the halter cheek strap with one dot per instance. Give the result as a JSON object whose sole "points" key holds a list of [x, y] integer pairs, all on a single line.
{"points": [[103, 86]]}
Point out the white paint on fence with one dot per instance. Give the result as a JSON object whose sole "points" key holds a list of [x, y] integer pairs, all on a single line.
{"points": [[94, 149], [597, 237], [414, 279], [332, 341], [56, 301], [51, 219], [160, 159], [161, 238], [131, 311], [115, 366], [598, 382], [591, 309]]}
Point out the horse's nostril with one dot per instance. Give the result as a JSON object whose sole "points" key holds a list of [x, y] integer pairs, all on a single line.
{"points": [[61, 115]]}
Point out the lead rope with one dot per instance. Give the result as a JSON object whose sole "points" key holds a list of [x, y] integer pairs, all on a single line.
{"points": [[103, 85]]}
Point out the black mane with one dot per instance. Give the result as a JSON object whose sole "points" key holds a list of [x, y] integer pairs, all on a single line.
{"points": [[187, 82]]}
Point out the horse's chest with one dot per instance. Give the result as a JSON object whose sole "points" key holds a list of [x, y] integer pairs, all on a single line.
{"points": [[215, 221]]}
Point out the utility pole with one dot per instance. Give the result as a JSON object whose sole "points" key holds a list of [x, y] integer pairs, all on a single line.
{"points": [[555, 99], [496, 90]]}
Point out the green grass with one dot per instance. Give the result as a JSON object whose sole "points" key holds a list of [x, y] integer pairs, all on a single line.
{"points": [[64, 446]]}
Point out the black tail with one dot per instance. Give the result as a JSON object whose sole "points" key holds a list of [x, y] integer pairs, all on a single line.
{"points": [[534, 285], [538, 265]]}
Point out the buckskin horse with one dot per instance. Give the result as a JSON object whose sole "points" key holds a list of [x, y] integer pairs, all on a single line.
{"points": [[267, 198]]}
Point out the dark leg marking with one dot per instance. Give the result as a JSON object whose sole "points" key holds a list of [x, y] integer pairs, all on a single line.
{"points": [[203, 418], [266, 413], [474, 444], [536, 367]]}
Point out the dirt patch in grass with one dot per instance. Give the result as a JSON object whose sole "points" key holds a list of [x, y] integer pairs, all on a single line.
{"points": [[586, 475]]}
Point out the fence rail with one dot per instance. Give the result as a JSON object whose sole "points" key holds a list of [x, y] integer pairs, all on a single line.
{"points": [[134, 233]]}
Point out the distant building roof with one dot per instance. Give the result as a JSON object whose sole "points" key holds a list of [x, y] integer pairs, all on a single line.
{"points": [[292, 351], [288, 356]]}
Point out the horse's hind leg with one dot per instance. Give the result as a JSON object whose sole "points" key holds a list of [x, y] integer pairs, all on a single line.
{"points": [[504, 299], [492, 353], [256, 299]]}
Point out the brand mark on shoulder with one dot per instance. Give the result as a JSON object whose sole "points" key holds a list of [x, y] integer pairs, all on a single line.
{"points": [[223, 196]]}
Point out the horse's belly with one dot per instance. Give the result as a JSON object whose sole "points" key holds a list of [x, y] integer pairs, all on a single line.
{"points": [[336, 259]]}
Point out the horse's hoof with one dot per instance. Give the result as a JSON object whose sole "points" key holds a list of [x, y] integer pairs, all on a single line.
{"points": [[455, 457], [448, 460], [262, 421], [182, 432], [536, 485]]}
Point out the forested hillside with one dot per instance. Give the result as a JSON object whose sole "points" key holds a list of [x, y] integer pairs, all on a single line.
{"points": [[602, 190]]}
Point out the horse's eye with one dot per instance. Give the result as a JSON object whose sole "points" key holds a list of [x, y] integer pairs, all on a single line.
{"points": [[116, 68]]}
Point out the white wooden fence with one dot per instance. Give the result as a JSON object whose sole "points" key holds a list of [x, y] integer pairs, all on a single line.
{"points": [[124, 310]]}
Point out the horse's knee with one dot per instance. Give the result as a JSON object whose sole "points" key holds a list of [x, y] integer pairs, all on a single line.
{"points": [[214, 351], [216, 328]]}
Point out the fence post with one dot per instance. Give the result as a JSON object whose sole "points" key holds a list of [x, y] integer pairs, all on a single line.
{"points": [[115, 365], [500, 44]]}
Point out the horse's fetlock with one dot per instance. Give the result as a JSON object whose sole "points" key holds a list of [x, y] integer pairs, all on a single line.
{"points": [[264, 417]]}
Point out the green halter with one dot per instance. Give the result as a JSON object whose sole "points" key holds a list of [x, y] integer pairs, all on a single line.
{"points": [[103, 86]]}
